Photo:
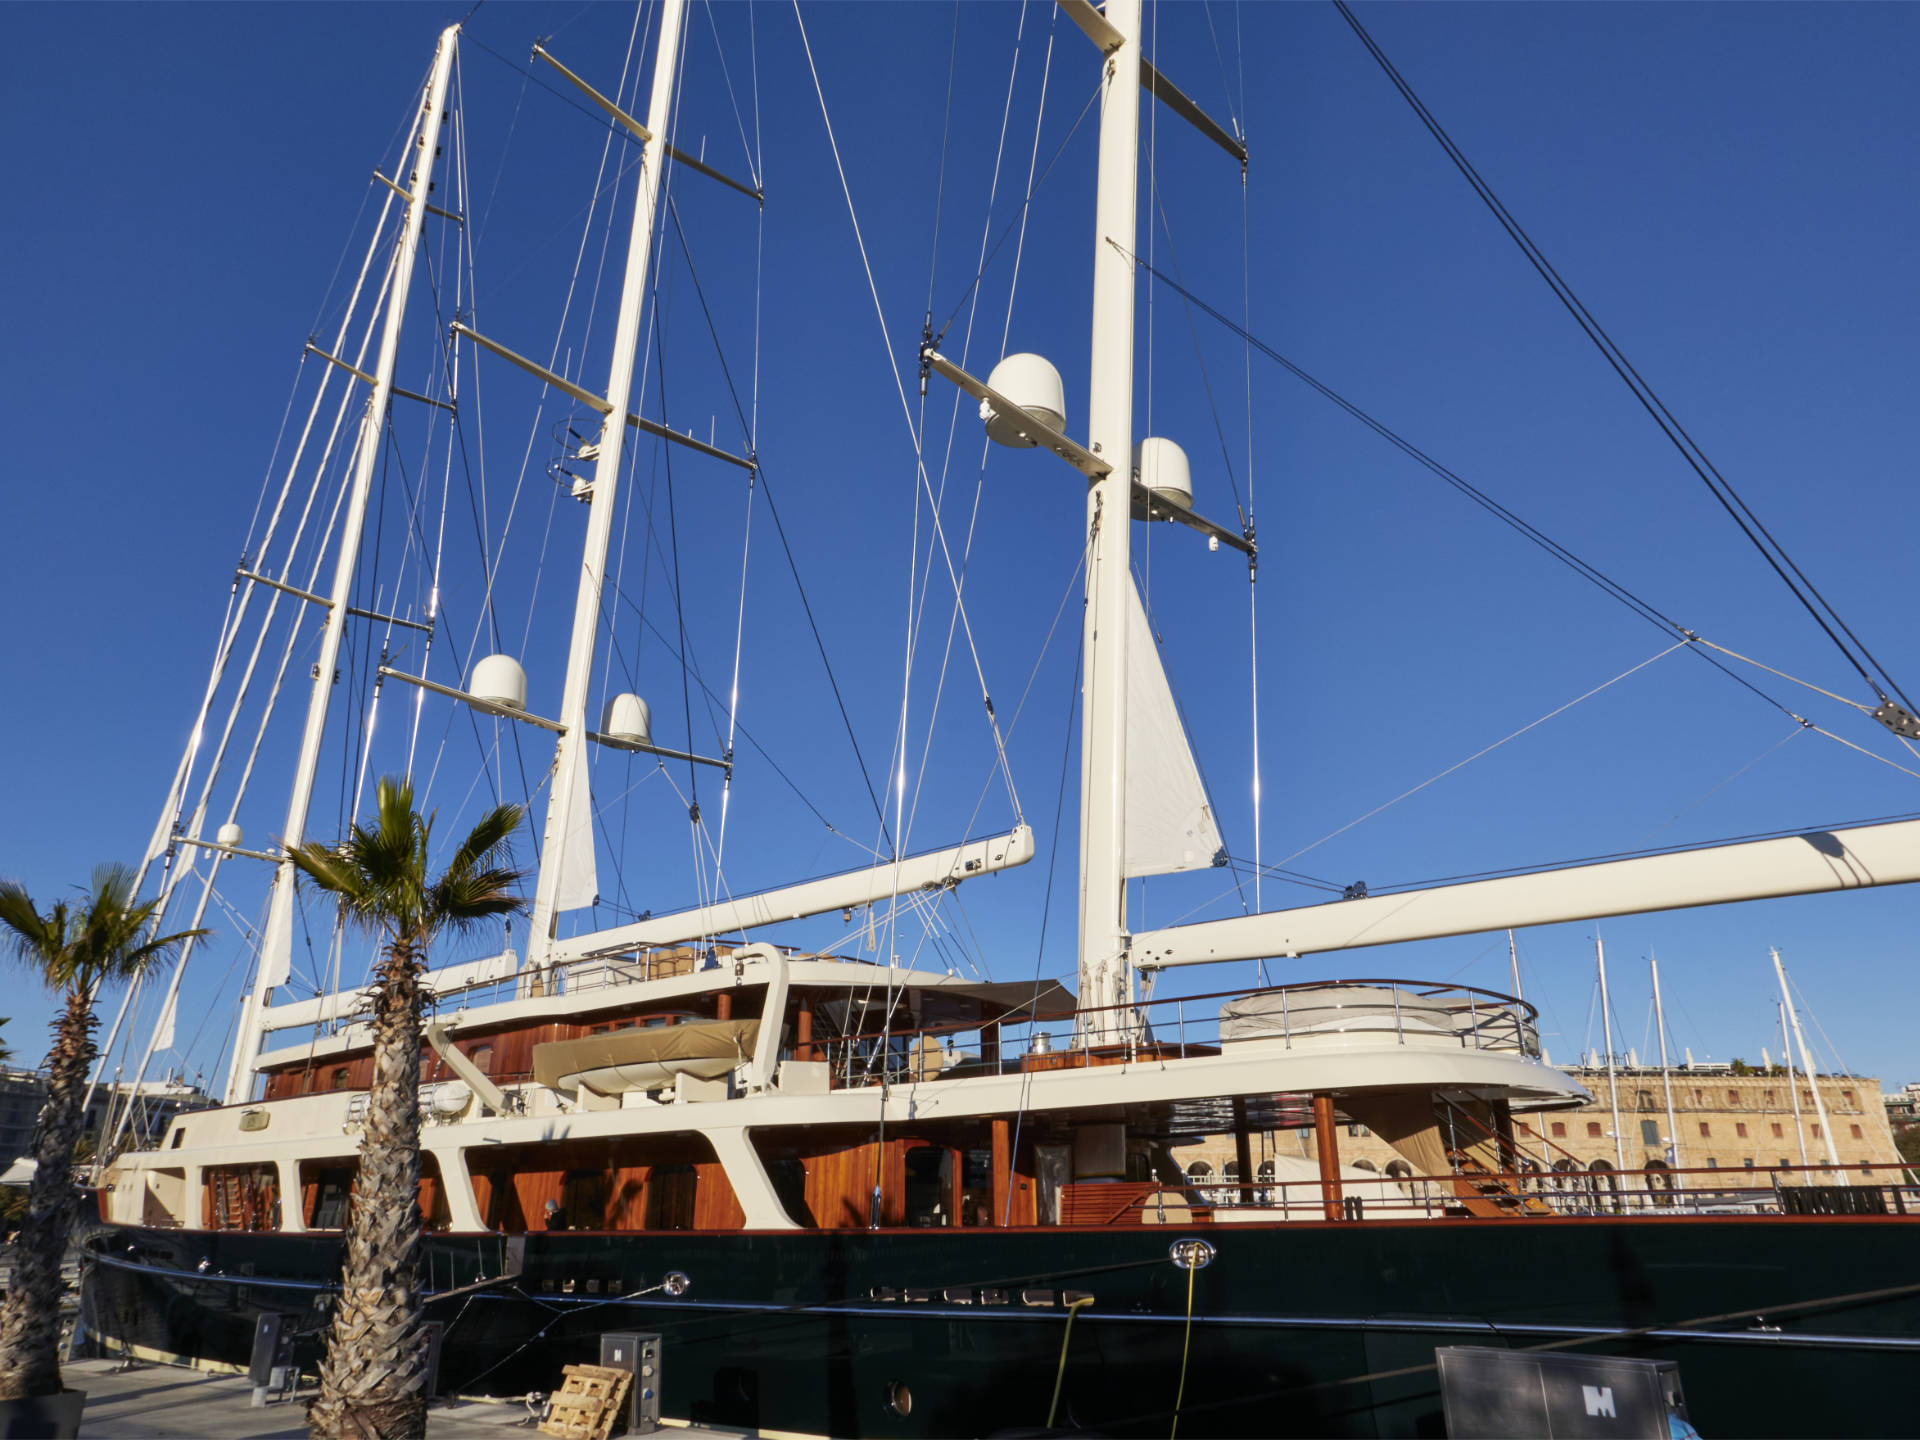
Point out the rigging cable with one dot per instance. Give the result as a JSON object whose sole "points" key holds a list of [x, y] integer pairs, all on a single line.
{"points": [[1722, 490], [920, 469], [1645, 609]]}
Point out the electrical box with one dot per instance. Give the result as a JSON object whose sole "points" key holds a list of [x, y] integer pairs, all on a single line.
{"points": [[272, 1348], [1523, 1394], [639, 1354]]}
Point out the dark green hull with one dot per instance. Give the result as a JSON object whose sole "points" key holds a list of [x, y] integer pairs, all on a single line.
{"points": [[1292, 1324]]}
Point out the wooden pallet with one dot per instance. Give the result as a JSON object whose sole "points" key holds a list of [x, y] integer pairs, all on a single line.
{"points": [[589, 1402]]}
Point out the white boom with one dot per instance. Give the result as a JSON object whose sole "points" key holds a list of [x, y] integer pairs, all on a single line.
{"points": [[936, 869], [1808, 864]]}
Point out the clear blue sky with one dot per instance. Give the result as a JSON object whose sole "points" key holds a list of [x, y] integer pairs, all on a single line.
{"points": [[1729, 187]]}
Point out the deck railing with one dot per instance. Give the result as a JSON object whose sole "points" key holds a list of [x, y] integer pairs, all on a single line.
{"points": [[1525, 1194], [1315, 1013]]}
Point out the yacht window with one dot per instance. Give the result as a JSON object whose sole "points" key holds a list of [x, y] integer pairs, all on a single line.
{"points": [[670, 1192], [326, 1192], [583, 1199], [482, 1058], [927, 1186], [242, 1197]]}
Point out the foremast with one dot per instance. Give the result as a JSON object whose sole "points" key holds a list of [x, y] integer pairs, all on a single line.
{"points": [[1105, 976], [276, 956]]}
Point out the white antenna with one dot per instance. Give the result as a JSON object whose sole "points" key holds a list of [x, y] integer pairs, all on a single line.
{"points": [[1806, 1063], [276, 954], [1513, 959]]}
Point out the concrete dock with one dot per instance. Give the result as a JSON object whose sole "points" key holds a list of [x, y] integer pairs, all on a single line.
{"points": [[163, 1402]]}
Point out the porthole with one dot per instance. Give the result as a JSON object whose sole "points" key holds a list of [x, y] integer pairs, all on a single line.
{"points": [[899, 1397]]}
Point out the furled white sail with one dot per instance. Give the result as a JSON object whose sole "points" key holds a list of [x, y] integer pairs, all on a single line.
{"points": [[1170, 825], [579, 878], [163, 1032], [276, 953]]}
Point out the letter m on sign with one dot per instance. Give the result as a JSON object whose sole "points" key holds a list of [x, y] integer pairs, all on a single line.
{"points": [[1599, 1399]]}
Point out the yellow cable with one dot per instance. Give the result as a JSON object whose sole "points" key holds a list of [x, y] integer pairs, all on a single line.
{"points": [[1073, 1309], [1186, 1342]]}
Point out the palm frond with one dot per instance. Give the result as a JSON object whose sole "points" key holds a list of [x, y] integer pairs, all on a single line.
{"points": [[28, 935], [496, 827], [154, 953]]}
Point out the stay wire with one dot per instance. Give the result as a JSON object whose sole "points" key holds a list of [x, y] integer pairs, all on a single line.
{"points": [[1717, 484], [780, 529], [1641, 607]]}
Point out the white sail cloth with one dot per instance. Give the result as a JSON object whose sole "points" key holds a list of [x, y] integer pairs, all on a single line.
{"points": [[579, 876], [1170, 824]]}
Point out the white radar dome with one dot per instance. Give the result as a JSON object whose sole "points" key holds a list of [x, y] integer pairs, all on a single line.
{"points": [[627, 717], [231, 835], [499, 680], [1031, 382], [1161, 467]]}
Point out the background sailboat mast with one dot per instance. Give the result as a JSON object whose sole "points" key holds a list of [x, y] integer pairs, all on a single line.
{"points": [[1606, 1029], [276, 955], [1786, 1053], [569, 804], [1105, 976], [1806, 1064], [1666, 1072]]}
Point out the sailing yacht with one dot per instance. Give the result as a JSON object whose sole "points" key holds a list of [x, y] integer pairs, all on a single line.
{"points": [[857, 1197]]}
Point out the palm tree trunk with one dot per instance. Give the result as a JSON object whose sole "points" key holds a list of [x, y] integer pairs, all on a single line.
{"points": [[30, 1315], [373, 1380]]}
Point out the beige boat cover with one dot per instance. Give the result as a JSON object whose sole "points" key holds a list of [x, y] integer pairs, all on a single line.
{"points": [[731, 1040]]}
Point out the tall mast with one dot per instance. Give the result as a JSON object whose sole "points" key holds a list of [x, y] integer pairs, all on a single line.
{"points": [[276, 956], [1105, 978], [1786, 1053], [1606, 1027], [1666, 1074], [1806, 1063], [1513, 960], [569, 759]]}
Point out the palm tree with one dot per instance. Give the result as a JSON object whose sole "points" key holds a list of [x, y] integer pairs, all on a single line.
{"points": [[75, 949], [373, 1379]]}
